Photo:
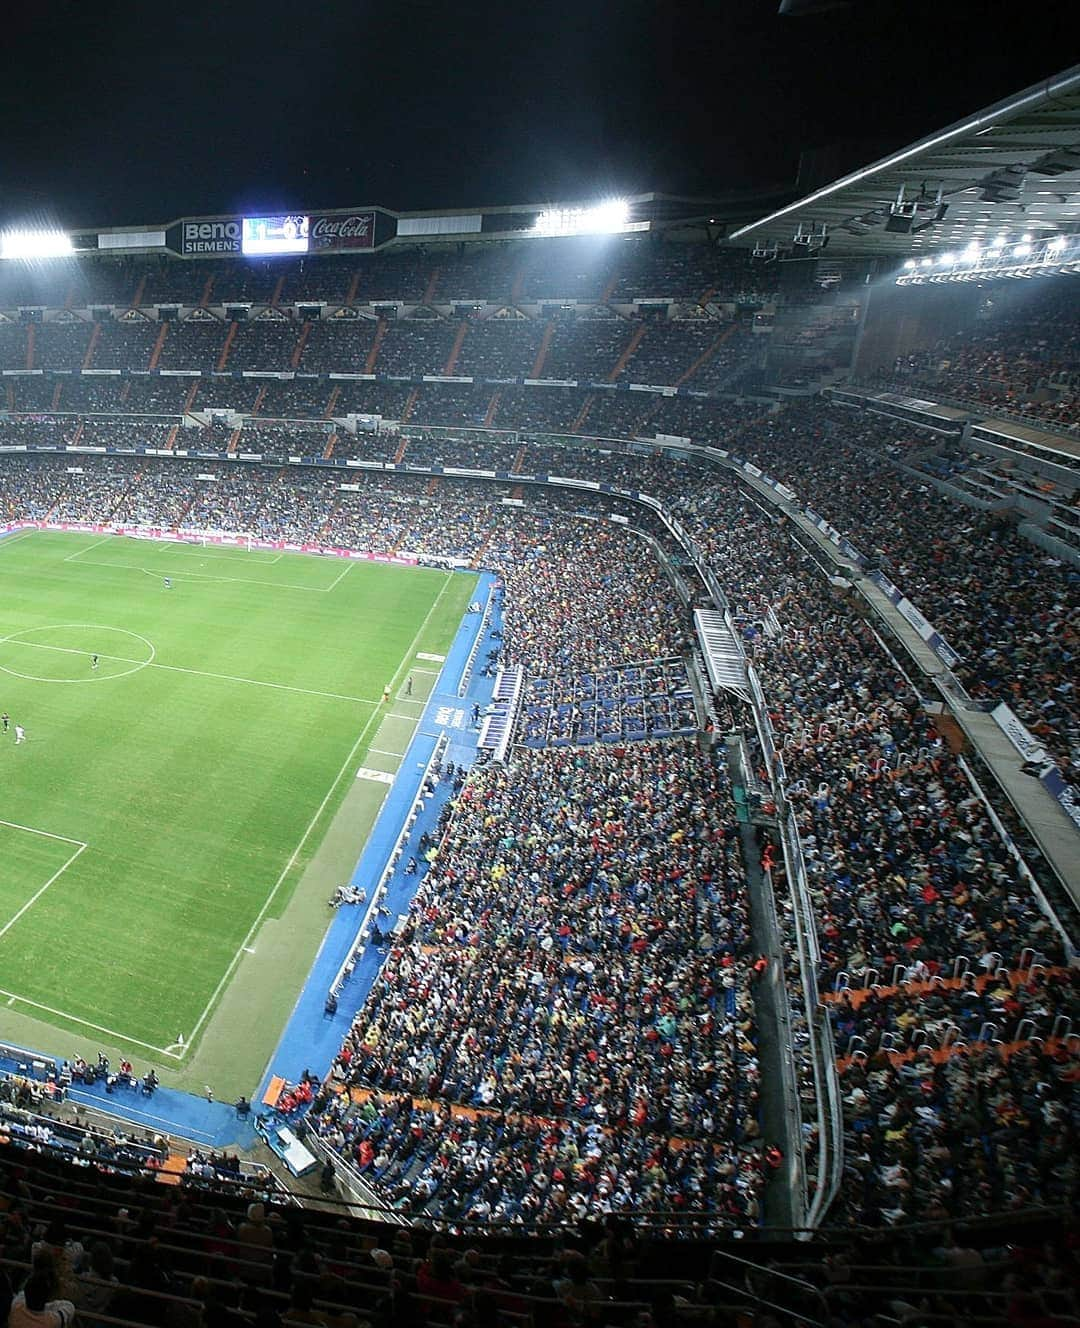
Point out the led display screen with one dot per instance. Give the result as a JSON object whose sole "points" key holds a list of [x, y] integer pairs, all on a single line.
{"points": [[275, 235]]}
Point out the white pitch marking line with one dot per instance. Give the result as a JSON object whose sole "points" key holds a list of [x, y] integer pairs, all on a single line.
{"points": [[199, 673], [15, 537], [98, 1028], [226, 976], [208, 576], [162, 573], [38, 893], [47, 834], [344, 571], [78, 552], [194, 576], [381, 751], [215, 552]]}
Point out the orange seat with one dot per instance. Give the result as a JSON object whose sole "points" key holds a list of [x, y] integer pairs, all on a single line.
{"points": [[273, 1091]]}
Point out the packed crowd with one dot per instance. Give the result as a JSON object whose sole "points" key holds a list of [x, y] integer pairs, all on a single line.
{"points": [[912, 888], [906, 870], [1020, 352], [595, 1026], [634, 702], [602, 349], [514, 272], [1008, 608]]}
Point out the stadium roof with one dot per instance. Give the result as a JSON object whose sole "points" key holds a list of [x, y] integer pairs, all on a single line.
{"points": [[1012, 167]]}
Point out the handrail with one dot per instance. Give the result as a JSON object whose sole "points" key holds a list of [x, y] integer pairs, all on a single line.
{"points": [[348, 964], [806, 1287], [467, 671]]}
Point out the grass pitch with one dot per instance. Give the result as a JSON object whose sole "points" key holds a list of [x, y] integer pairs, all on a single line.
{"points": [[165, 802]]}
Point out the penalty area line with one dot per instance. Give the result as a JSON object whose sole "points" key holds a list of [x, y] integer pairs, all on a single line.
{"points": [[347, 765], [46, 834], [40, 891], [85, 1023]]}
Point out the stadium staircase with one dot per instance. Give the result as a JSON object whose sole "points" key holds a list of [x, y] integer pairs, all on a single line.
{"points": [[260, 397], [170, 441], [57, 393], [125, 392], [208, 290], [230, 337], [10, 395], [706, 296], [95, 337], [518, 285], [354, 286], [432, 486], [706, 355], [159, 345], [31, 340], [519, 460], [331, 443], [724, 658], [76, 437], [477, 559], [582, 415], [493, 408], [331, 405], [518, 491], [497, 727], [542, 353], [193, 392], [628, 350], [140, 291], [234, 441], [275, 299], [431, 287], [455, 349], [609, 288], [376, 345], [301, 342], [410, 405], [399, 452]]}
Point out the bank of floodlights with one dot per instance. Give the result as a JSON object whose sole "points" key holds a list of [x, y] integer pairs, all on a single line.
{"points": [[607, 218], [30, 245], [1018, 257]]}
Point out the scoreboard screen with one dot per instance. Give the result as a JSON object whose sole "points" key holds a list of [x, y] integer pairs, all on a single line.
{"points": [[275, 235]]}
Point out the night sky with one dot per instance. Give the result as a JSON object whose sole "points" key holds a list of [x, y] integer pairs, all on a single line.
{"points": [[116, 112]]}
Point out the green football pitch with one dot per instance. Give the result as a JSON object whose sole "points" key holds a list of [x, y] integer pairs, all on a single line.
{"points": [[167, 800]]}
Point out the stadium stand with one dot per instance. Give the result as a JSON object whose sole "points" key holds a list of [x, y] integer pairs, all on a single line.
{"points": [[567, 1029]]}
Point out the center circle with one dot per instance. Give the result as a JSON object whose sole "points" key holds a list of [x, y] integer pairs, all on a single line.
{"points": [[77, 644]]}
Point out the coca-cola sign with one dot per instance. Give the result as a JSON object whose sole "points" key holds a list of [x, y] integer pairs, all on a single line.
{"points": [[349, 230]]}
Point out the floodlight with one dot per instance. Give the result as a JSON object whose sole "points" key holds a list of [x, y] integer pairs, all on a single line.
{"points": [[909, 265], [35, 244], [1022, 251], [604, 218], [946, 260], [1057, 244], [927, 262]]}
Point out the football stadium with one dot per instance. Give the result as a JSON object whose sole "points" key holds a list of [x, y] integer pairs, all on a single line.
{"points": [[540, 751]]}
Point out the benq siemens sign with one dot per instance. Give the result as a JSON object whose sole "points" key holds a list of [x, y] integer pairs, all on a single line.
{"points": [[218, 236]]}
